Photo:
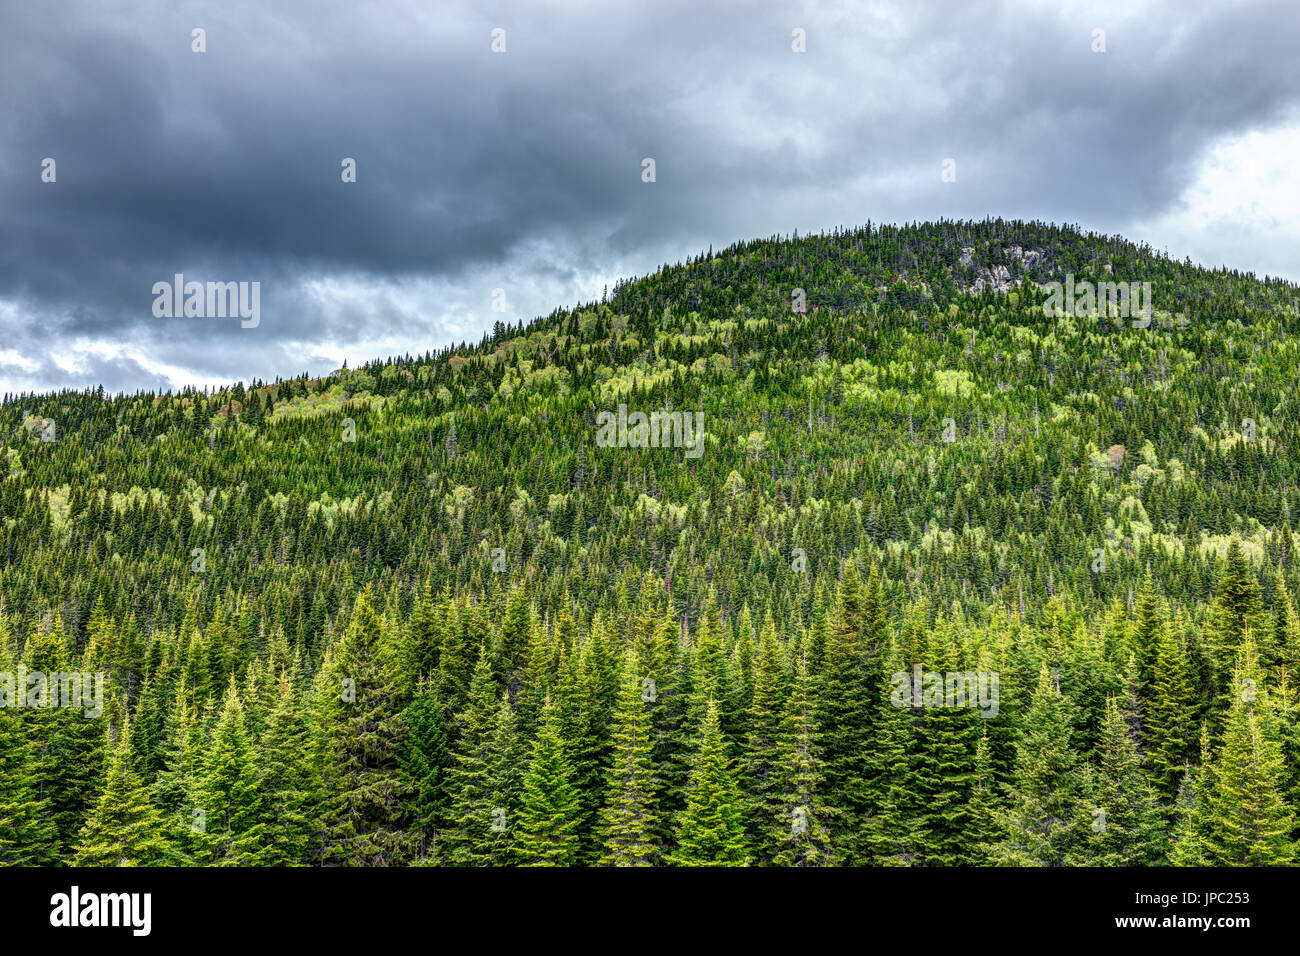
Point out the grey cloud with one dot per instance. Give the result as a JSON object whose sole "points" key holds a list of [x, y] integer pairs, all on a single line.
{"points": [[522, 170]]}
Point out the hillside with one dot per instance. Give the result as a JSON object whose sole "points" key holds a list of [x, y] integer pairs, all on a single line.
{"points": [[420, 611]]}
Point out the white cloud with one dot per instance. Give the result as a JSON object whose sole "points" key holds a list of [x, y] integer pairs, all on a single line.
{"points": [[1243, 206]]}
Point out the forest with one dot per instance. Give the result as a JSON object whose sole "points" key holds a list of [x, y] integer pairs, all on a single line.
{"points": [[422, 612]]}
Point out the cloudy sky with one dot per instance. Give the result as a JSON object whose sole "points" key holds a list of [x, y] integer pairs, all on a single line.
{"points": [[521, 170]]}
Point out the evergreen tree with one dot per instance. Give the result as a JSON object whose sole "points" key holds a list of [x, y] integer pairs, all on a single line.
{"points": [[628, 828], [125, 829], [1123, 827], [288, 779], [760, 757], [1041, 824], [1170, 717], [424, 761], [710, 830], [546, 831], [228, 793], [27, 834], [801, 822], [1241, 817], [367, 799], [848, 698]]}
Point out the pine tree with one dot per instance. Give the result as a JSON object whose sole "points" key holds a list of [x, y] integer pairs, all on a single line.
{"points": [[799, 822], [1041, 825], [628, 828], [546, 829], [125, 829], [367, 808], [710, 830]]}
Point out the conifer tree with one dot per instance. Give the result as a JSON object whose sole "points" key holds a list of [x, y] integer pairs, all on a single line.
{"points": [[760, 755], [1282, 649], [890, 831], [470, 778], [423, 761], [848, 702], [125, 828], [1170, 718], [982, 818], [1041, 824], [228, 793], [288, 779], [710, 830], [546, 829], [27, 834], [367, 808], [1236, 610], [800, 822], [1123, 825], [628, 828], [942, 769], [1241, 818]]}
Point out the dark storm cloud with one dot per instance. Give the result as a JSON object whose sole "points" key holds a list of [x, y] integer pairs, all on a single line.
{"points": [[522, 170]]}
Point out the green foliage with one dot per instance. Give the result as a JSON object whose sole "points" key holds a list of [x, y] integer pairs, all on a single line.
{"points": [[357, 671], [710, 830], [125, 828]]}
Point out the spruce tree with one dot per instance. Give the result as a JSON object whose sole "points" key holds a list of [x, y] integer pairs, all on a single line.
{"points": [[627, 825], [125, 828], [367, 806], [423, 761], [942, 770], [799, 821], [1170, 719], [848, 703], [228, 793], [710, 830], [27, 834], [546, 829], [288, 779], [760, 756], [475, 833], [1243, 818], [1123, 824], [1041, 825]]}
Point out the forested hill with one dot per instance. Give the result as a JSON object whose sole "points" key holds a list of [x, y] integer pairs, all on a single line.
{"points": [[421, 611]]}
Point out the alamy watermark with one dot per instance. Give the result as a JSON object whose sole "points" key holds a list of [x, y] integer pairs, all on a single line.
{"points": [[40, 690], [1086, 300], [216, 300], [654, 430], [924, 688]]}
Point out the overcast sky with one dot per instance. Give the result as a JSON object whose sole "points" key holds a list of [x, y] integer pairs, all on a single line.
{"points": [[521, 170]]}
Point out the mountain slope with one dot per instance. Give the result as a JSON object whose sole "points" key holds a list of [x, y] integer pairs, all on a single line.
{"points": [[1025, 492]]}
